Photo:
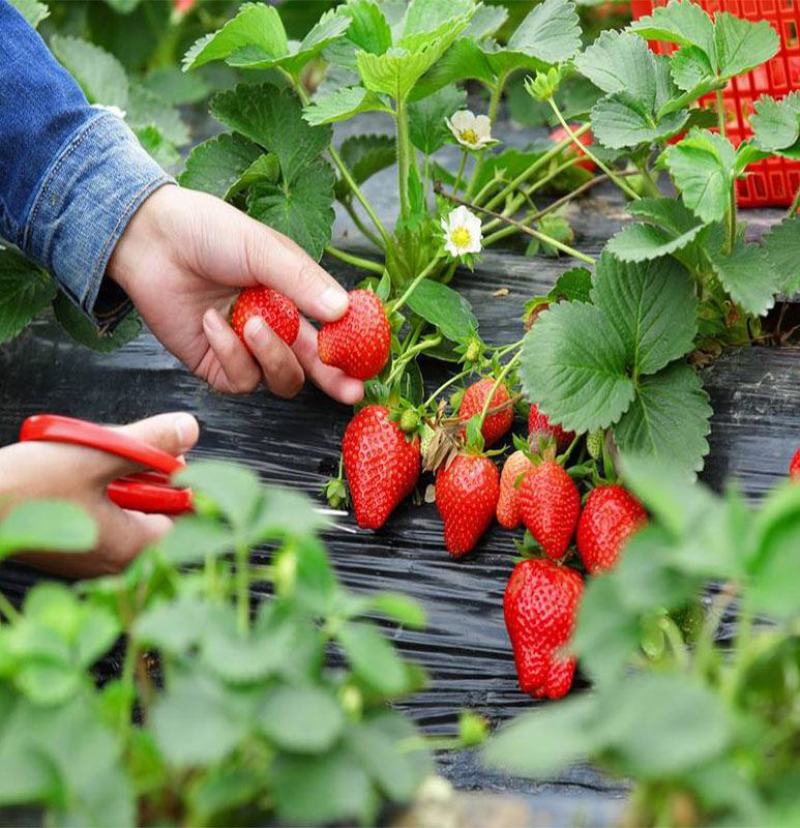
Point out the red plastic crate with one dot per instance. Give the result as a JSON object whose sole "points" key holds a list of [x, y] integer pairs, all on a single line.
{"points": [[772, 182]]}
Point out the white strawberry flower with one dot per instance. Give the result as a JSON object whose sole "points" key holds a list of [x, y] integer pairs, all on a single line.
{"points": [[471, 131], [462, 232], [114, 110]]}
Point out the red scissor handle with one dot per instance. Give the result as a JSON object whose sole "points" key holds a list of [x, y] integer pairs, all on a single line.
{"points": [[58, 429], [149, 497]]}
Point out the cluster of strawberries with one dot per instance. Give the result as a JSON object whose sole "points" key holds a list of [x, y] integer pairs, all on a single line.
{"points": [[383, 462]]}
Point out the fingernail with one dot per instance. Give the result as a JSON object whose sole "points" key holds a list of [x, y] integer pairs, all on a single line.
{"points": [[256, 331], [334, 300], [186, 429]]}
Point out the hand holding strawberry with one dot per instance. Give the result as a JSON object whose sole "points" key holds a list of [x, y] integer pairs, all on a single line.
{"points": [[278, 311]]}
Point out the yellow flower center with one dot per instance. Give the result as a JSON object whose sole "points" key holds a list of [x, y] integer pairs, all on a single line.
{"points": [[460, 236], [469, 136]]}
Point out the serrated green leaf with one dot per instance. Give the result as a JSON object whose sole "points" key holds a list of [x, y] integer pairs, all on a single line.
{"points": [[505, 165], [748, 276], [651, 305], [145, 108], [684, 23], [372, 658], [620, 121], [216, 165], [574, 285], [427, 16], [25, 291], [690, 68], [369, 30], [426, 118], [254, 25], [550, 32], [776, 125], [85, 332], [669, 418], [782, 244], [464, 60], [573, 363], [99, 74], [742, 45], [46, 526], [445, 309], [365, 155], [33, 11], [486, 21], [342, 104], [702, 166], [668, 227], [301, 719], [620, 62]]}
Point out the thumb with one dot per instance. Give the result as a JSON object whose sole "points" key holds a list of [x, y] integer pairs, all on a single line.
{"points": [[174, 433]]}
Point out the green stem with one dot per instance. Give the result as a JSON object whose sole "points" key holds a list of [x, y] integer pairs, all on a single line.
{"points": [[413, 286], [444, 386], [403, 155], [460, 173], [795, 204], [494, 105], [721, 116], [731, 221], [487, 404], [368, 234], [242, 587], [356, 261], [676, 642], [400, 365], [589, 154], [505, 349], [8, 609]]}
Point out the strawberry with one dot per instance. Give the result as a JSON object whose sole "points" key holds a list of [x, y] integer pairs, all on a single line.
{"points": [[549, 504], [278, 311], [516, 465], [540, 605], [359, 342], [609, 517], [382, 465], [539, 426], [466, 496], [559, 134], [794, 466], [495, 426]]}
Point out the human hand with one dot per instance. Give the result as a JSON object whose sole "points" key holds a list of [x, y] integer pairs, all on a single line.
{"points": [[182, 260], [35, 470]]}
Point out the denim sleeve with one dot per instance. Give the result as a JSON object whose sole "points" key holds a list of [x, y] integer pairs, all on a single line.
{"points": [[71, 175]]}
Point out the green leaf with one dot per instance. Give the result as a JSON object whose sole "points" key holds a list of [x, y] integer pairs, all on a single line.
{"points": [[46, 526], [147, 109], [574, 285], [445, 309], [366, 155], [505, 165], [667, 227], [620, 121], [684, 23], [176, 87], [158, 147], [428, 16], [25, 291], [702, 166], [620, 62], [301, 719], [485, 22], [464, 60], [216, 165], [669, 418], [85, 332], [99, 74], [372, 657], [550, 32], [399, 608], [193, 538], [285, 514], [254, 25], [652, 306], [311, 790], [782, 243], [742, 45], [235, 490], [691, 69], [426, 118], [573, 363], [369, 30], [33, 11], [342, 104], [748, 276], [173, 626], [776, 125]]}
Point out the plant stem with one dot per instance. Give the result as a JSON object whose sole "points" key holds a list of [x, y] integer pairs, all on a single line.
{"points": [[487, 404], [721, 116], [795, 204], [676, 643], [460, 173], [494, 105], [444, 386], [400, 365], [356, 261], [413, 286], [403, 155], [242, 587], [8, 609], [731, 220], [589, 154], [368, 234]]}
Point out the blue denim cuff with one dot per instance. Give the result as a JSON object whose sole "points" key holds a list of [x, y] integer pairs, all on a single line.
{"points": [[90, 192]]}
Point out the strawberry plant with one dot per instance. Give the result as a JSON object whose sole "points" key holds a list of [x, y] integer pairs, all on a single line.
{"points": [[697, 708], [224, 711]]}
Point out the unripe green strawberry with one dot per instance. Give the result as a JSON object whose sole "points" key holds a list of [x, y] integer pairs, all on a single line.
{"points": [[516, 465], [495, 426], [466, 497], [549, 504], [609, 517], [594, 443], [382, 465], [540, 605], [359, 343], [277, 310]]}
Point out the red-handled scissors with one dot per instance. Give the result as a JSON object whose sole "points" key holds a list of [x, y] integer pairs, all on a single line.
{"points": [[146, 491]]}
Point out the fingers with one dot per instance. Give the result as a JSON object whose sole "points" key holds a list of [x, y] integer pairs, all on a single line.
{"points": [[268, 357], [332, 381], [124, 534]]}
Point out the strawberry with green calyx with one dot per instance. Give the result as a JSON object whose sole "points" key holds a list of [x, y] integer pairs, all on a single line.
{"points": [[549, 504], [540, 607], [514, 470], [609, 517], [382, 464], [500, 414], [359, 343], [335, 490], [277, 310], [540, 427]]}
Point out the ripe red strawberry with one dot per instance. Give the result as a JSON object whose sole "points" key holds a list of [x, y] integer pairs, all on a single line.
{"points": [[549, 504], [515, 466], [277, 310], [466, 496], [495, 426], [540, 605], [382, 465], [559, 134], [359, 342], [794, 466], [609, 517], [539, 426]]}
